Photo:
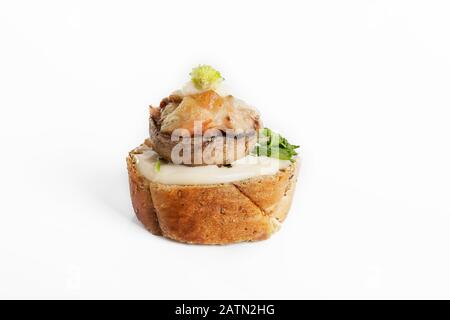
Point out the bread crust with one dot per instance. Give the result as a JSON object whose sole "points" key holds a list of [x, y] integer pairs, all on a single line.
{"points": [[247, 210]]}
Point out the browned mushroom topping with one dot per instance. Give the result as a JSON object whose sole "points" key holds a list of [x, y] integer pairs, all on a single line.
{"points": [[215, 112]]}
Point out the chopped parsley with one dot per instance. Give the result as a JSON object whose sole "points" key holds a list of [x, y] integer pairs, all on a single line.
{"points": [[158, 165]]}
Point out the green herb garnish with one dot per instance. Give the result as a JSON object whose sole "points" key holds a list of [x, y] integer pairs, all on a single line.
{"points": [[273, 145], [205, 77], [158, 165]]}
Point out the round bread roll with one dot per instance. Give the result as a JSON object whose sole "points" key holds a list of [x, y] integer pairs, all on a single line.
{"points": [[246, 210]]}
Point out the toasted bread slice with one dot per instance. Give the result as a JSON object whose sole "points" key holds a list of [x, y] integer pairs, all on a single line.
{"points": [[247, 210]]}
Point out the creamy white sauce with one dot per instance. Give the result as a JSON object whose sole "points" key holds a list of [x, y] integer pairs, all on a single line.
{"points": [[190, 89], [169, 173]]}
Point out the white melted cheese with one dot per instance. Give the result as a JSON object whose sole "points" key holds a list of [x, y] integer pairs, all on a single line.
{"points": [[169, 173]]}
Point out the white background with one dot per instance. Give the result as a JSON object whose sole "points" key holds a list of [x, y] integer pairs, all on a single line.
{"points": [[362, 86]]}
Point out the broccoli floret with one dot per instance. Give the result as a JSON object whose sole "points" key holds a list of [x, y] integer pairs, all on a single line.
{"points": [[205, 77]]}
